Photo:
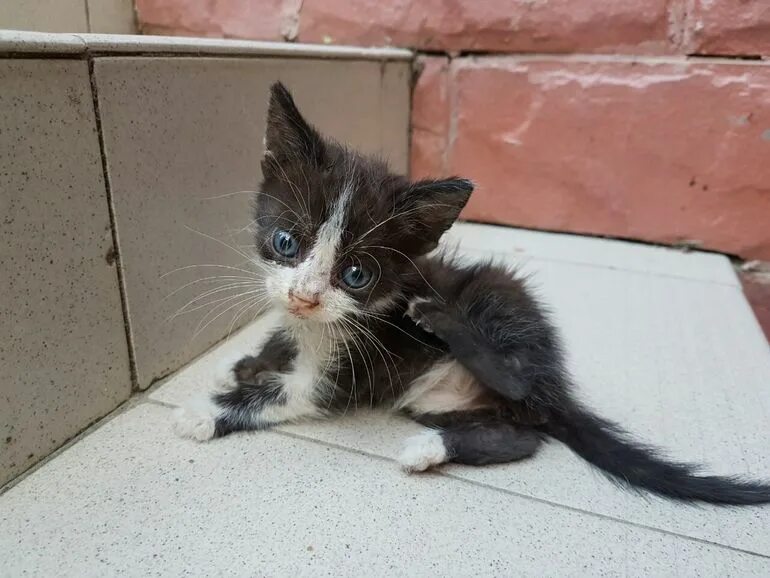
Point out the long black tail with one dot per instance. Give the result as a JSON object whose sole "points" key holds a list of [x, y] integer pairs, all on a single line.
{"points": [[611, 449]]}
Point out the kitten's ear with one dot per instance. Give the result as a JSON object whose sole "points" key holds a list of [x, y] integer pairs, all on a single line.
{"points": [[430, 207], [288, 134]]}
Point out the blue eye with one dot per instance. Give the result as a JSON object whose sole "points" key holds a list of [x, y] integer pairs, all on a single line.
{"points": [[285, 244], [356, 277]]}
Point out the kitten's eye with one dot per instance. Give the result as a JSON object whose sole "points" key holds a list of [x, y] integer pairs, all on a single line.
{"points": [[285, 244], [356, 277]]}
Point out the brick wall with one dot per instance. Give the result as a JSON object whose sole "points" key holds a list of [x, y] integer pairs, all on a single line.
{"points": [[641, 119]]}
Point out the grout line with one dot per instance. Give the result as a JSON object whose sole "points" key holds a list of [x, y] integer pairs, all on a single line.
{"points": [[629, 241], [588, 57], [127, 405], [143, 398], [683, 249], [525, 259], [135, 400], [452, 96], [160, 403], [88, 15], [531, 498], [114, 229]]}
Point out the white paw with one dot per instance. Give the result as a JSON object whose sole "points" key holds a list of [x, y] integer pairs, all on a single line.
{"points": [[423, 451], [196, 420]]}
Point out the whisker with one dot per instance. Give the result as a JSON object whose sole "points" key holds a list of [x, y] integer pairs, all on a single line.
{"points": [[209, 293], [177, 270], [210, 278], [201, 327], [397, 215], [383, 320], [413, 265]]}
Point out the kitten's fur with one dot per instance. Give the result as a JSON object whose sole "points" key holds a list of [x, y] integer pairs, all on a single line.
{"points": [[464, 349]]}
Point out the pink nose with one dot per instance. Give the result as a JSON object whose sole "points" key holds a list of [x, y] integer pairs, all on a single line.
{"points": [[303, 304]]}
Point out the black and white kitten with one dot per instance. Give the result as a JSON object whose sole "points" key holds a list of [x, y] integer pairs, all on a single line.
{"points": [[369, 318]]}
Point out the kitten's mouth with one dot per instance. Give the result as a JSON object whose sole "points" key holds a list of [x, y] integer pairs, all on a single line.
{"points": [[302, 314]]}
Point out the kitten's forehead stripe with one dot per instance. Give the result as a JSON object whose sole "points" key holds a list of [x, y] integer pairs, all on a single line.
{"points": [[313, 273]]}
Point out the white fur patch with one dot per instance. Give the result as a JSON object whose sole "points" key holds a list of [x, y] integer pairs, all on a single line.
{"points": [[413, 303], [447, 386], [312, 276], [224, 378], [196, 419], [423, 451]]}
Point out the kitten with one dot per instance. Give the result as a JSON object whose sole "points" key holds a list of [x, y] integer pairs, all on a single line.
{"points": [[370, 318]]}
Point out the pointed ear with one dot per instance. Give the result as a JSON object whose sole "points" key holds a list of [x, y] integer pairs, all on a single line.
{"points": [[288, 134], [430, 207]]}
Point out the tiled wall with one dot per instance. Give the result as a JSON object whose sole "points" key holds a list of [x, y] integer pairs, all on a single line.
{"points": [[158, 153], [102, 16]]}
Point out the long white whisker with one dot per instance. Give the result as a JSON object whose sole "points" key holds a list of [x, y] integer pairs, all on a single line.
{"points": [[177, 270], [200, 328], [401, 214], [210, 292], [412, 262], [359, 346], [210, 278]]}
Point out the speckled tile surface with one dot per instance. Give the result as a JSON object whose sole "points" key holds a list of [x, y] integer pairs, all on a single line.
{"points": [[44, 15], [184, 140], [133, 500], [63, 355], [521, 245], [16, 41], [111, 16], [679, 360]]}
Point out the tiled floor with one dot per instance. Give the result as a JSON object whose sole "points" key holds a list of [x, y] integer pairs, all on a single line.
{"points": [[661, 341]]}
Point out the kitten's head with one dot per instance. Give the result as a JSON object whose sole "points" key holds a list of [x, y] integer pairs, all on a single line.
{"points": [[336, 231]]}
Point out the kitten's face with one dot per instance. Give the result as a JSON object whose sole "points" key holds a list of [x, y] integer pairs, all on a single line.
{"points": [[336, 232]]}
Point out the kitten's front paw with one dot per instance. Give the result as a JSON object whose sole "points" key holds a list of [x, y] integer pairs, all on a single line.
{"points": [[196, 420], [416, 312]]}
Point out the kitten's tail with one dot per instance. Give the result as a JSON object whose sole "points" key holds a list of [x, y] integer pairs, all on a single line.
{"points": [[611, 449]]}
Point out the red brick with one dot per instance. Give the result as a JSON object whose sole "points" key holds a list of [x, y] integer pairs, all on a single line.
{"points": [[492, 25], [731, 27], [430, 118], [756, 286], [666, 152], [255, 19]]}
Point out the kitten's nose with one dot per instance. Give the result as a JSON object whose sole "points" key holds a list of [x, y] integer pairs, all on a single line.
{"points": [[301, 304]]}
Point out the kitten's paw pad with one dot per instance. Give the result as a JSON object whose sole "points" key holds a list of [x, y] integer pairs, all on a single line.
{"points": [[196, 421], [423, 451], [415, 312]]}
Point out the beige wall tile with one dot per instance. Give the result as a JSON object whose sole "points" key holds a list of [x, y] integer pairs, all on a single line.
{"points": [[44, 15], [111, 16], [63, 355], [396, 104]]}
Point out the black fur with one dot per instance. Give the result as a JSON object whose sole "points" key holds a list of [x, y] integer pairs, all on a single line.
{"points": [[483, 316], [490, 315], [608, 447], [478, 438]]}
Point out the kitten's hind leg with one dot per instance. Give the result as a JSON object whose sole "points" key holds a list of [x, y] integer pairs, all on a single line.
{"points": [[498, 371], [467, 438]]}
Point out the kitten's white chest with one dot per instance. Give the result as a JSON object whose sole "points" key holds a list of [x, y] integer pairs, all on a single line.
{"points": [[306, 382]]}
